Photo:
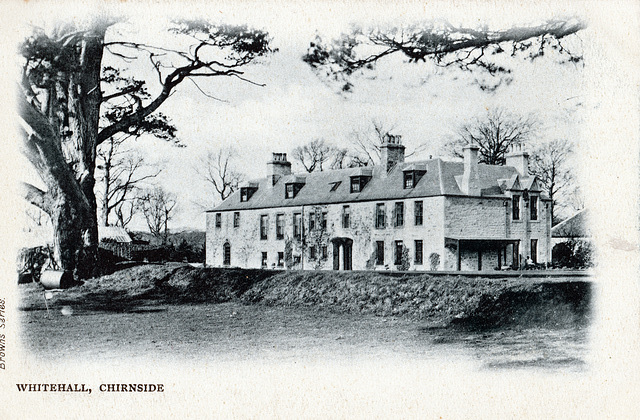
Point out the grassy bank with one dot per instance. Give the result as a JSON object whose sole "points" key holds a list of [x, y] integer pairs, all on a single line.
{"points": [[438, 301]]}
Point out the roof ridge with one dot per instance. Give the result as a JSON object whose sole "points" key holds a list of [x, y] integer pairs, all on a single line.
{"points": [[569, 219]]}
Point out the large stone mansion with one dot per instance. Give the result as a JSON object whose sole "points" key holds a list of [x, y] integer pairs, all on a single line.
{"points": [[424, 215]]}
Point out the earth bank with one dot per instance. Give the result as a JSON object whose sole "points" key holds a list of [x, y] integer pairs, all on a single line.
{"points": [[436, 301]]}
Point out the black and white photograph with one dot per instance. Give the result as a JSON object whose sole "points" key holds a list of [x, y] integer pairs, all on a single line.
{"points": [[320, 209]]}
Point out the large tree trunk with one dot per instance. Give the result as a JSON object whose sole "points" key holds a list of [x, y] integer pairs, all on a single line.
{"points": [[73, 247], [61, 140], [84, 99]]}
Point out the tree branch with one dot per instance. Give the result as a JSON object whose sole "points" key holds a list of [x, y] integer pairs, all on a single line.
{"points": [[36, 196]]}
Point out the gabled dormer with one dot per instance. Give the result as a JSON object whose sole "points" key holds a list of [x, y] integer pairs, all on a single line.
{"points": [[510, 184], [247, 190], [360, 179], [412, 175], [532, 184], [293, 186]]}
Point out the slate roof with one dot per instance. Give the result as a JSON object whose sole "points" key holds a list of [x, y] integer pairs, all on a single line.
{"points": [[439, 179], [573, 227]]}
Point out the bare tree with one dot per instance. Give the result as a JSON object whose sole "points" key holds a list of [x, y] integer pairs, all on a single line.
{"points": [[339, 158], [217, 168], [549, 163], [314, 155], [494, 133], [442, 44], [157, 206], [65, 90], [119, 176]]}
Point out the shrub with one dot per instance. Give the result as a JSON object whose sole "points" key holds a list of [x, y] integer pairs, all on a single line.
{"points": [[573, 253], [405, 261], [434, 261]]}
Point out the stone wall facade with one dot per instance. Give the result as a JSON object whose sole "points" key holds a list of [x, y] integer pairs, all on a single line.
{"points": [[458, 217], [313, 248]]}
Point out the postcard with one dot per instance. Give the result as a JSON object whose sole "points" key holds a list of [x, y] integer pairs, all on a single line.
{"points": [[320, 209]]}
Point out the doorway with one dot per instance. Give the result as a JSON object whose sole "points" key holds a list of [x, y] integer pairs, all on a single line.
{"points": [[342, 253]]}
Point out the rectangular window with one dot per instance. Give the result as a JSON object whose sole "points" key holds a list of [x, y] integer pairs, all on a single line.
{"points": [[280, 226], [355, 184], [218, 220], [236, 219], [289, 191], [264, 260], [534, 208], [312, 252], [346, 213], [264, 226], [418, 252], [324, 252], [417, 210], [408, 179], [398, 254], [380, 216], [280, 259], [296, 225], [516, 207], [534, 251], [399, 215], [323, 220], [379, 252], [312, 221]]}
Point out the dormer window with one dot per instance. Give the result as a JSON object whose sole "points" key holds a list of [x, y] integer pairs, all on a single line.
{"points": [[358, 183], [355, 184], [292, 187], [291, 190], [412, 175], [360, 179], [247, 191], [408, 179]]}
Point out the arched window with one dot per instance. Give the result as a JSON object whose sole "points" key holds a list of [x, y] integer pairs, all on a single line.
{"points": [[227, 253]]}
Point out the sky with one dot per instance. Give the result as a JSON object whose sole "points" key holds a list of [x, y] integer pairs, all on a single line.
{"points": [[424, 103]]}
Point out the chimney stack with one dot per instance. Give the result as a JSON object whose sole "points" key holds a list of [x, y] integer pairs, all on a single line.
{"points": [[278, 167], [519, 159], [470, 174], [391, 151]]}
